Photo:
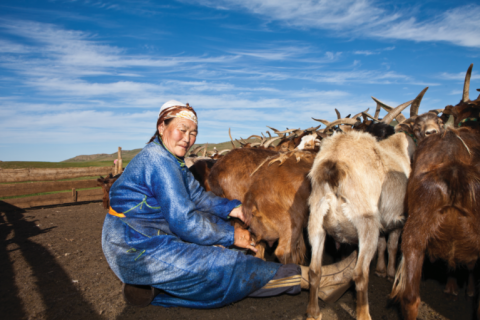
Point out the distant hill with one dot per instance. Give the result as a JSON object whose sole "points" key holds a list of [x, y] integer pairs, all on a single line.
{"points": [[127, 155]]}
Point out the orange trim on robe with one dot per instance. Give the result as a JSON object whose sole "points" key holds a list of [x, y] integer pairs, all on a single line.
{"points": [[115, 213]]}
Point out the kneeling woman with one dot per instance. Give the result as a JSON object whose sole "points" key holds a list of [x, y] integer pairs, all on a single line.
{"points": [[165, 231]]}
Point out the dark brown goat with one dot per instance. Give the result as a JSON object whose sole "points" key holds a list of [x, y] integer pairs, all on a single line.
{"points": [[443, 214], [200, 170], [106, 183]]}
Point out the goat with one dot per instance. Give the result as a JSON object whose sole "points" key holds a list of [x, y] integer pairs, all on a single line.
{"points": [[358, 188], [444, 216], [106, 183]]}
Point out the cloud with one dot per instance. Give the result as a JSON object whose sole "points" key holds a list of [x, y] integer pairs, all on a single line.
{"points": [[365, 18]]}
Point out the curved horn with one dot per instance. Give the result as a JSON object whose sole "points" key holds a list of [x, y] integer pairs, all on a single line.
{"points": [[224, 150], [269, 135], [338, 114], [287, 131], [466, 85], [231, 140], [312, 129], [255, 144], [377, 110], [325, 122], [255, 136], [269, 142], [416, 103], [368, 115], [205, 151], [400, 117], [395, 113], [359, 114], [197, 150], [340, 121], [437, 111], [274, 130]]}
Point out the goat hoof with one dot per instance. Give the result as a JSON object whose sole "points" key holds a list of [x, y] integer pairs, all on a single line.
{"points": [[381, 274]]}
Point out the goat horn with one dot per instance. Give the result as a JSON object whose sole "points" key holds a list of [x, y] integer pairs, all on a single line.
{"points": [[437, 111], [338, 114], [224, 150], [195, 151], [287, 131], [395, 113], [205, 151], [312, 129], [368, 115], [466, 85], [274, 130], [255, 144], [325, 122], [340, 121], [400, 117], [416, 103], [359, 114], [450, 122], [378, 109], [269, 135], [269, 142], [255, 136], [231, 140]]}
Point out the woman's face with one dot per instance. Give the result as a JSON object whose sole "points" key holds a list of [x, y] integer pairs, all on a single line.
{"points": [[179, 135]]}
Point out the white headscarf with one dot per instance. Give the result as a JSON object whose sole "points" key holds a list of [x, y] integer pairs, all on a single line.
{"points": [[172, 105]]}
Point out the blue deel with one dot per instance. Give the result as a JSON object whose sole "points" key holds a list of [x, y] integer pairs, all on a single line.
{"points": [[166, 238]]}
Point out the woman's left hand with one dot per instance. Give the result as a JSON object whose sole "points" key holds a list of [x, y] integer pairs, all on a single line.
{"points": [[240, 214]]}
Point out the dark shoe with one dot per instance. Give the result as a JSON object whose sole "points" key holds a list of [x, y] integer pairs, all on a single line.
{"points": [[139, 296]]}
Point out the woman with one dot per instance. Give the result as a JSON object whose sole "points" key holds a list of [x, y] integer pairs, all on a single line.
{"points": [[163, 230]]}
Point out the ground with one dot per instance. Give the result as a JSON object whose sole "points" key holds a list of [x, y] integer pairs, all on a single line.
{"points": [[52, 267]]}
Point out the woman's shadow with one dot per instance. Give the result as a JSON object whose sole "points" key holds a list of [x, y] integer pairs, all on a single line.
{"points": [[61, 298]]}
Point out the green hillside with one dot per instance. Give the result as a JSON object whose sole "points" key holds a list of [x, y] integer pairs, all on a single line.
{"points": [[98, 160]]}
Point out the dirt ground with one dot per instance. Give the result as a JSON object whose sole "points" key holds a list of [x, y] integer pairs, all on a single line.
{"points": [[52, 267]]}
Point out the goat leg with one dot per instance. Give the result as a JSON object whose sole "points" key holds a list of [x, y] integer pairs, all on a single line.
{"points": [[381, 269], [317, 239], [471, 280], [367, 229], [392, 253]]}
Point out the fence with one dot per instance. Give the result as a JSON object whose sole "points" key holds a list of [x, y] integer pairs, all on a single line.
{"points": [[47, 183]]}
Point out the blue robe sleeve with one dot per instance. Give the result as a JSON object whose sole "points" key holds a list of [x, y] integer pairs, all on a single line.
{"points": [[207, 201], [181, 212]]}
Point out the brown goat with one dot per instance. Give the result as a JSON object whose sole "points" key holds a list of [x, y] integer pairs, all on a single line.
{"points": [[275, 196], [106, 183], [277, 200], [443, 214]]}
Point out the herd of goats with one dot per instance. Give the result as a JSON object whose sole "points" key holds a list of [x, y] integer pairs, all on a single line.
{"points": [[362, 181]]}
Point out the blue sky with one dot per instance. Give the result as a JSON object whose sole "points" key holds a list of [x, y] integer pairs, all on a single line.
{"points": [[84, 77]]}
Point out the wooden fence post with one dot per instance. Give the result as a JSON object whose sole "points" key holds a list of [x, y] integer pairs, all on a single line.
{"points": [[119, 161], [74, 195]]}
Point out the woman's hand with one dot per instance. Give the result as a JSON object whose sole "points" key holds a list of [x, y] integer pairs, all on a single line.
{"points": [[240, 214], [243, 239]]}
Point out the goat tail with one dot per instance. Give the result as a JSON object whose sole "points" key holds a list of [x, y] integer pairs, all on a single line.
{"points": [[400, 282]]}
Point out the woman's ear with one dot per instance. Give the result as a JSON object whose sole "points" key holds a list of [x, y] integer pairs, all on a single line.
{"points": [[161, 128]]}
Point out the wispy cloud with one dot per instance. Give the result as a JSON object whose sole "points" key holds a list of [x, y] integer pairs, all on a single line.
{"points": [[365, 18]]}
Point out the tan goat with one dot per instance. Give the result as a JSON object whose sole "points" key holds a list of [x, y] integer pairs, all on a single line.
{"points": [[358, 190]]}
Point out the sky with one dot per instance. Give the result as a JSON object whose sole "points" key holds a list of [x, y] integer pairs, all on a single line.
{"points": [[87, 76]]}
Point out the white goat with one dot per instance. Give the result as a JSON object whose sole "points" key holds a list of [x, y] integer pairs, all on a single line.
{"points": [[358, 190]]}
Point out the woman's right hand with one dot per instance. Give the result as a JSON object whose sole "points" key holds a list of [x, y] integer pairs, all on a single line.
{"points": [[243, 239]]}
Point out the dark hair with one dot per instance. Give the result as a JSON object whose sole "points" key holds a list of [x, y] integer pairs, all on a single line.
{"points": [[166, 122]]}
